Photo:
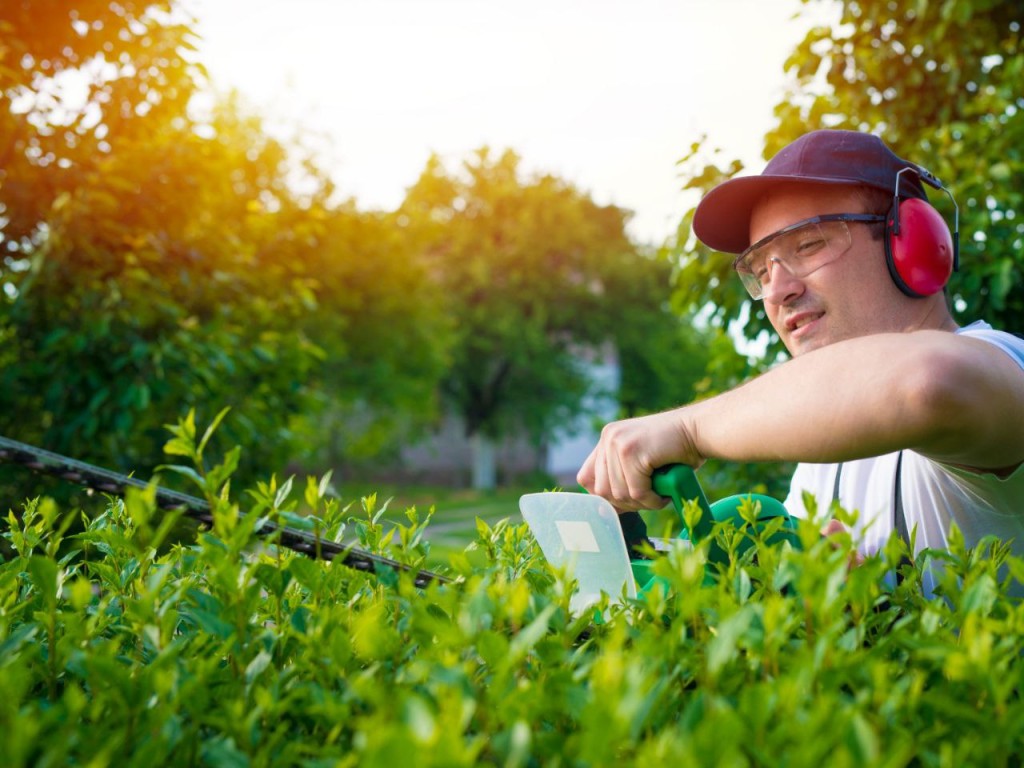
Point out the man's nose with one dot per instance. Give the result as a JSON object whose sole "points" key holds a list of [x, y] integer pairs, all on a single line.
{"points": [[783, 285]]}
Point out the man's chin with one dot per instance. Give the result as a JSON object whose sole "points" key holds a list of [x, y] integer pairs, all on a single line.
{"points": [[807, 337], [805, 344]]}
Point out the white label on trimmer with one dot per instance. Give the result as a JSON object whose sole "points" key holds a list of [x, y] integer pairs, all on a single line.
{"points": [[577, 536]]}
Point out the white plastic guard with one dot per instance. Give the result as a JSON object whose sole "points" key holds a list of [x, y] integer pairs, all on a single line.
{"points": [[581, 534]]}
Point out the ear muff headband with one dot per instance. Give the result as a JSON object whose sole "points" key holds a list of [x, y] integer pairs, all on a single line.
{"points": [[919, 250]]}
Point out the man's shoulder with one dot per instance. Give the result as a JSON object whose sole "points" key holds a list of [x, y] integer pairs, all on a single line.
{"points": [[1010, 343]]}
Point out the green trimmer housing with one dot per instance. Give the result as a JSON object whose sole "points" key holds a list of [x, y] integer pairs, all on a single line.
{"points": [[678, 483]]}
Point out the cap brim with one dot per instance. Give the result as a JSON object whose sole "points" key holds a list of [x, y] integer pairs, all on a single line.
{"points": [[722, 218]]}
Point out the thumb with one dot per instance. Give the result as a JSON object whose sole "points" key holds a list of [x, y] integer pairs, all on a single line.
{"points": [[833, 527]]}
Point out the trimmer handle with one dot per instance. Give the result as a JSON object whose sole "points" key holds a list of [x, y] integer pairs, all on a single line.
{"points": [[678, 482]]}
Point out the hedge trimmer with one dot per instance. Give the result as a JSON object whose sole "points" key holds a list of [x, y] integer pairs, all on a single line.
{"points": [[604, 550]]}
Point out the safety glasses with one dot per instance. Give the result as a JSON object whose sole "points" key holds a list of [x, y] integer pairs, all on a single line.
{"points": [[801, 248]]}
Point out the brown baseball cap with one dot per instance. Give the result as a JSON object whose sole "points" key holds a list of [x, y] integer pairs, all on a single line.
{"points": [[827, 156]]}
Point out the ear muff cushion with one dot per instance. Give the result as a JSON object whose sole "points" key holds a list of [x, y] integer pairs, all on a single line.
{"points": [[920, 257]]}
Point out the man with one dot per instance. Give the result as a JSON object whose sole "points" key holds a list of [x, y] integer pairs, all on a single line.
{"points": [[890, 407]]}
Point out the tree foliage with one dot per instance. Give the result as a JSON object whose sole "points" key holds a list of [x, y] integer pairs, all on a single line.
{"points": [[149, 291], [663, 356], [940, 81], [519, 264], [157, 257], [79, 80], [388, 332]]}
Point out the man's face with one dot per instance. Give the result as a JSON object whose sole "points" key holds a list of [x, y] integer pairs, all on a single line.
{"points": [[848, 297]]}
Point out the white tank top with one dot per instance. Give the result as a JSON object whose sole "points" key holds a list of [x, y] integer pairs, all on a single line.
{"points": [[934, 496]]}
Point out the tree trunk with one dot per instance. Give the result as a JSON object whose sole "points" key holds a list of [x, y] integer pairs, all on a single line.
{"points": [[484, 462]]}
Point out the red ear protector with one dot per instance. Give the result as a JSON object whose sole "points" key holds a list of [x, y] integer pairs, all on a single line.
{"points": [[919, 251]]}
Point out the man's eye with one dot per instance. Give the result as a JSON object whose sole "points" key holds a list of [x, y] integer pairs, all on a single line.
{"points": [[811, 245]]}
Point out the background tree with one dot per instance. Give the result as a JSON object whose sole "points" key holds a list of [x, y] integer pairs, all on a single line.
{"points": [[663, 356], [163, 281], [158, 257], [82, 85], [539, 280], [388, 333], [78, 81]]}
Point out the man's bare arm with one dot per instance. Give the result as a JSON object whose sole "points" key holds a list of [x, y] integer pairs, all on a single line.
{"points": [[953, 398]]}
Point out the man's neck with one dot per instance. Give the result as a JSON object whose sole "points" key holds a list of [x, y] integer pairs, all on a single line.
{"points": [[935, 317]]}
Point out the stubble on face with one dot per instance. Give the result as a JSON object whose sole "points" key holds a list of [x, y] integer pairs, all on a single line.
{"points": [[794, 309], [851, 296]]}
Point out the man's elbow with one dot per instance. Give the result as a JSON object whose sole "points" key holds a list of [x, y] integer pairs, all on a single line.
{"points": [[964, 407]]}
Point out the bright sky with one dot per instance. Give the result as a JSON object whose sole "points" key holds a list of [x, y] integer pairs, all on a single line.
{"points": [[607, 94]]}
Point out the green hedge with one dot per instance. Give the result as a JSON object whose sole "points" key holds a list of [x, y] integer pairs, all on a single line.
{"points": [[120, 648]]}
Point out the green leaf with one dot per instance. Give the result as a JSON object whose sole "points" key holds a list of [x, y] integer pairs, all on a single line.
{"points": [[724, 646], [183, 442], [43, 572], [211, 429], [274, 579], [260, 663], [307, 572], [530, 635], [188, 472], [980, 596], [283, 492], [223, 752], [493, 648], [219, 475]]}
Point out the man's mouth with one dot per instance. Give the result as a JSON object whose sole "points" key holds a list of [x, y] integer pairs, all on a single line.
{"points": [[796, 322]]}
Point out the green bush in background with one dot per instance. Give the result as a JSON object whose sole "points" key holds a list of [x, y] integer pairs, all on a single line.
{"points": [[119, 646]]}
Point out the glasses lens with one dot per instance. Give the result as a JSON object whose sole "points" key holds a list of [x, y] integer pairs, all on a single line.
{"points": [[801, 251]]}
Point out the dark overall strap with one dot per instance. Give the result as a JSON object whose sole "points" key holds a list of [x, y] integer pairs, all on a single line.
{"points": [[835, 485], [899, 519]]}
